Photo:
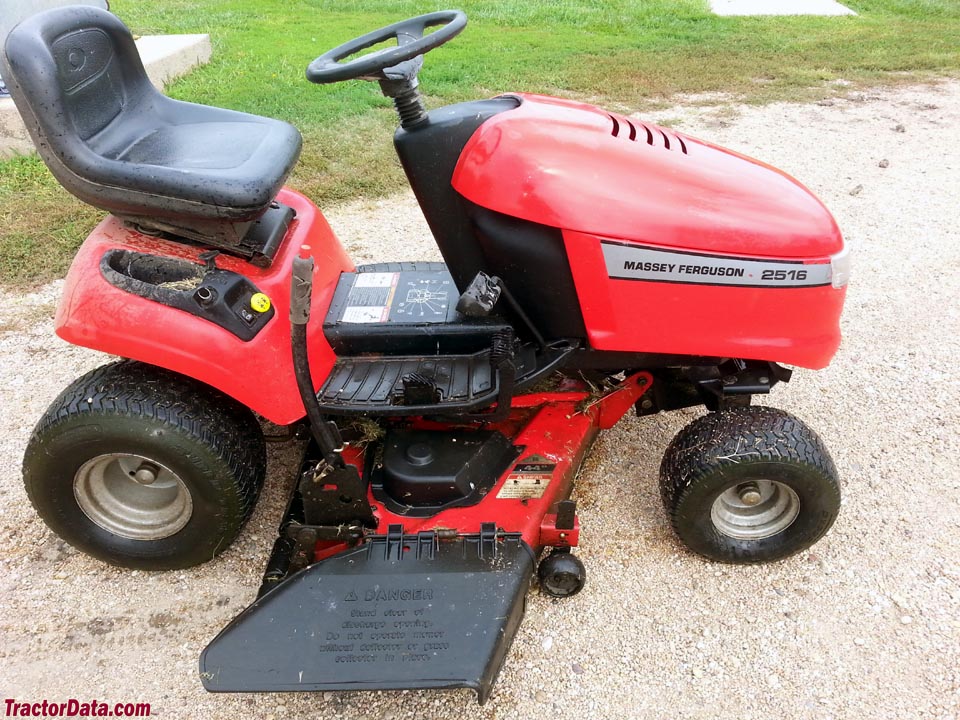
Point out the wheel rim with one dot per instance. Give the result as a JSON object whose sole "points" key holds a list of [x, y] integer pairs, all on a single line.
{"points": [[132, 496], [755, 510]]}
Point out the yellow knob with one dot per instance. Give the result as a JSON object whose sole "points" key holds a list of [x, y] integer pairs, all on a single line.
{"points": [[260, 302]]}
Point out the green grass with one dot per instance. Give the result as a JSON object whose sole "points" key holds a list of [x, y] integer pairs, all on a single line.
{"points": [[627, 54]]}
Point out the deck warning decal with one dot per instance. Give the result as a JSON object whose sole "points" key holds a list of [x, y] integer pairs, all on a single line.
{"points": [[629, 261], [527, 480]]}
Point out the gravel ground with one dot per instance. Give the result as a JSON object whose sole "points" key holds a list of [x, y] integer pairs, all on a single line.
{"points": [[866, 625]]}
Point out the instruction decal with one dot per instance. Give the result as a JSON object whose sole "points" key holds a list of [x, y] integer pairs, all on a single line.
{"points": [[370, 298]]}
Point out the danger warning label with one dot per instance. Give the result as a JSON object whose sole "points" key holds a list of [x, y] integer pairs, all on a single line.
{"points": [[527, 480]]}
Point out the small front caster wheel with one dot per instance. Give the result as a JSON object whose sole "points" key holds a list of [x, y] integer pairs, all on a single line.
{"points": [[561, 574], [748, 485], [144, 468]]}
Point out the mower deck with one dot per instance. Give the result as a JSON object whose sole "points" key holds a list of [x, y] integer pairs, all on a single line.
{"points": [[425, 595]]}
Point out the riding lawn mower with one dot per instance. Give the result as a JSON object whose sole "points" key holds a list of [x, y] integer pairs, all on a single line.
{"points": [[594, 264]]}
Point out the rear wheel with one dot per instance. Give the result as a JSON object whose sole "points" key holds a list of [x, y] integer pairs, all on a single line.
{"points": [[144, 468], [750, 484]]}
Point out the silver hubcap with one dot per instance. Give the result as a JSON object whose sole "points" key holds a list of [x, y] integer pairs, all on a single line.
{"points": [[755, 510], [132, 496]]}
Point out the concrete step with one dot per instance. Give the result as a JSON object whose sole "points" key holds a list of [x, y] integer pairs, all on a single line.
{"points": [[779, 7], [165, 58]]}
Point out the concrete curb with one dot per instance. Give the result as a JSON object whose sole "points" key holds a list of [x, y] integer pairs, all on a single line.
{"points": [[165, 58], [779, 7]]}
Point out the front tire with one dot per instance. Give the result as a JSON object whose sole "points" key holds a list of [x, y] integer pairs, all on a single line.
{"points": [[144, 468], [749, 485]]}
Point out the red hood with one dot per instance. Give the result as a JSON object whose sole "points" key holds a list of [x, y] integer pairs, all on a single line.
{"points": [[576, 167]]}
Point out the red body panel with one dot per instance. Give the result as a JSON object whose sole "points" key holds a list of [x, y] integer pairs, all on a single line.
{"points": [[259, 373], [558, 163], [575, 167], [799, 326]]}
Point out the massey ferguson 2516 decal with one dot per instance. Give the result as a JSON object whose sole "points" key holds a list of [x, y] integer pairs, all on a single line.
{"points": [[636, 262]]}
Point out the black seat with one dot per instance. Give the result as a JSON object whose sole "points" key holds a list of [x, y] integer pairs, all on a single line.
{"points": [[117, 143]]}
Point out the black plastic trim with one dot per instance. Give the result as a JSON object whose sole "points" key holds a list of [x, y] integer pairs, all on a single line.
{"points": [[529, 257], [429, 156], [439, 330], [221, 297], [371, 385], [262, 241], [462, 467]]}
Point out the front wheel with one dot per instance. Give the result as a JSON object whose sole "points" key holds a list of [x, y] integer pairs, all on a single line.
{"points": [[748, 485], [144, 468]]}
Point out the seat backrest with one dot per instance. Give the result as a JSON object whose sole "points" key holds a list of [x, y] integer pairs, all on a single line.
{"points": [[71, 71]]}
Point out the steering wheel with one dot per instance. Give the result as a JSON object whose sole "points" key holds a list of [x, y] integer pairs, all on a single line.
{"points": [[411, 43]]}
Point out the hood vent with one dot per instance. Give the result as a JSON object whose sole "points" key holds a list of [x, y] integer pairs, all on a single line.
{"points": [[636, 131]]}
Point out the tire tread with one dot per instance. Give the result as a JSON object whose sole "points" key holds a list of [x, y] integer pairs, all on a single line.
{"points": [[132, 389], [763, 433]]}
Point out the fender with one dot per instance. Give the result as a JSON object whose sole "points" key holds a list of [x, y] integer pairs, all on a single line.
{"points": [[259, 373]]}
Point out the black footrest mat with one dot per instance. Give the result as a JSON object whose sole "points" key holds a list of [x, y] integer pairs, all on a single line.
{"points": [[375, 384], [400, 612]]}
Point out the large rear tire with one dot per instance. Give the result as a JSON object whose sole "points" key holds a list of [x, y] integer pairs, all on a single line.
{"points": [[749, 485], [144, 468]]}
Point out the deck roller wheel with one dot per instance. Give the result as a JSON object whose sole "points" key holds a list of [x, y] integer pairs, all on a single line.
{"points": [[561, 574]]}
